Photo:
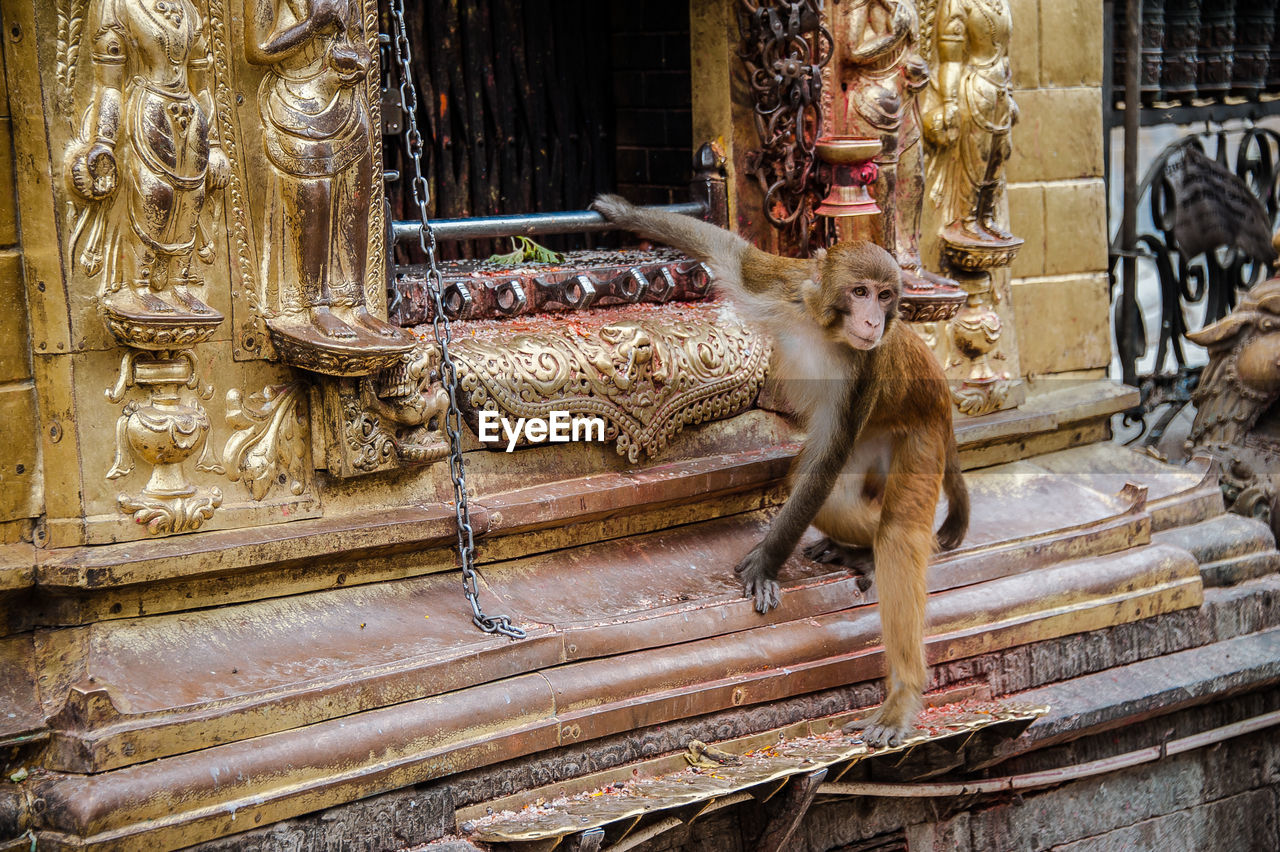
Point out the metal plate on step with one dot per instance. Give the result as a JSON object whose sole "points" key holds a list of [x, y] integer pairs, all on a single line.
{"points": [[760, 771]]}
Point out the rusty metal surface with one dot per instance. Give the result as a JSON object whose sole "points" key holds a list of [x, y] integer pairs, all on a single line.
{"points": [[21, 716], [186, 798], [477, 289], [270, 665], [762, 762]]}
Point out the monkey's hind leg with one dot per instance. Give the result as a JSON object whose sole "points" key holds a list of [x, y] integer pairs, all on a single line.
{"points": [[902, 547], [850, 520]]}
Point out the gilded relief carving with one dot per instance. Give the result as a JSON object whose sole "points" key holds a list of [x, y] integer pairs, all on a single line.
{"points": [[1236, 421], [164, 430], [71, 17], [316, 134], [881, 72], [967, 114], [146, 171], [269, 444], [411, 399], [647, 378], [390, 420]]}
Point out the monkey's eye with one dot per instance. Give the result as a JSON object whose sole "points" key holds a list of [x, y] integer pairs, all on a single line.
{"points": [[860, 291], [885, 295]]}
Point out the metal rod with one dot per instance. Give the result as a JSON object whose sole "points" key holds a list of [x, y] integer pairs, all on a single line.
{"points": [[527, 224], [1051, 777], [1126, 340]]}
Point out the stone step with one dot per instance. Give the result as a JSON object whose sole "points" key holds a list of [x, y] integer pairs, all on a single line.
{"points": [[267, 666], [213, 792]]}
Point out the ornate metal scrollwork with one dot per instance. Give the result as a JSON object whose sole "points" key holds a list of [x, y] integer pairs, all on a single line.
{"points": [[784, 47], [269, 445], [648, 373], [1207, 280]]}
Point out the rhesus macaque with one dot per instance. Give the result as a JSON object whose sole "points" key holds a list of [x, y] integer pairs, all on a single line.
{"points": [[877, 410]]}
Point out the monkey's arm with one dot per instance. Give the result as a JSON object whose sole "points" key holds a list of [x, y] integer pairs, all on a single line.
{"points": [[832, 433]]}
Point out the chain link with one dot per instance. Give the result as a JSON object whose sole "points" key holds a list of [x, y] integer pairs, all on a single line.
{"points": [[443, 334]]}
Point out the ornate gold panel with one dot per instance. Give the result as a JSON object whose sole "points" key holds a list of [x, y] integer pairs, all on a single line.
{"points": [[647, 372], [298, 91]]}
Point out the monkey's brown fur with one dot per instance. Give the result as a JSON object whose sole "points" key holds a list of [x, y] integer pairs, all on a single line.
{"points": [[880, 447]]}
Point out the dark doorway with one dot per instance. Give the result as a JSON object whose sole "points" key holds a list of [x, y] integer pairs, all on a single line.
{"points": [[536, 105]]}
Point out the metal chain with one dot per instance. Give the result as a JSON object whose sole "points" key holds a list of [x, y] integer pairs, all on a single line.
{"points": [[443, 335]]}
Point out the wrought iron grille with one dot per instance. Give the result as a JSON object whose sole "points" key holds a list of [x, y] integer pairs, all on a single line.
{"points": [[1206, 286]]}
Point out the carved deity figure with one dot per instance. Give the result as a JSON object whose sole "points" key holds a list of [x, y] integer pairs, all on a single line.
{"points": [[968, 111], [880, 74], [147, 159], [317, 135]]}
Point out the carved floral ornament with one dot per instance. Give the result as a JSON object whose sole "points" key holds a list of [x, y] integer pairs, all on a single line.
{"points": [[647, 372]]}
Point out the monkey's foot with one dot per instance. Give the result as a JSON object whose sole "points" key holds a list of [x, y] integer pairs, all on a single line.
{"points": [[880, 731], [950, 536], [855, 559], [825, 551], [758, 582]]}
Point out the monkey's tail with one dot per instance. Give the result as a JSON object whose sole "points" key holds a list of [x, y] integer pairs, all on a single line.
{"points": [[694, 237], [953, 529]]}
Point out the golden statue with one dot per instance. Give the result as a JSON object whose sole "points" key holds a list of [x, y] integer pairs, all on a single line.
{"points": [[968, 113], [146, 161], [317, 135], [880, 73]]}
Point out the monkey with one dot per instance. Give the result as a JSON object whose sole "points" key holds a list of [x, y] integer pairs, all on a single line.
{"points": [[876, 407]]}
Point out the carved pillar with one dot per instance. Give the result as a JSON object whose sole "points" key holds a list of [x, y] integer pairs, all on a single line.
{"points": [[146, 173], [968, 112]]}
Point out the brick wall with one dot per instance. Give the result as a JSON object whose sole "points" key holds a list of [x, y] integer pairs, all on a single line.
{"points": [[1057, 198], [652, 91]]}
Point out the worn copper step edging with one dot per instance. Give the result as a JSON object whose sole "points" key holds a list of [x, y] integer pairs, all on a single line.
{"points": [[218, 791], [128, 579], [598, 600]]}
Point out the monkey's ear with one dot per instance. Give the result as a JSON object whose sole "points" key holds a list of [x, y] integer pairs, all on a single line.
{"points": [[811, 295], [809, 290]]}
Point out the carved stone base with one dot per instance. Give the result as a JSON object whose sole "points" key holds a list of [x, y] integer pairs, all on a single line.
{"points": [[300, 344], [133, 324], [964, 249], [175, 514]]}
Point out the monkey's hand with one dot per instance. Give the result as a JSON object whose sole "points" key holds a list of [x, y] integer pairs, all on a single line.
{"points": [[615, 208], [759, 581]]}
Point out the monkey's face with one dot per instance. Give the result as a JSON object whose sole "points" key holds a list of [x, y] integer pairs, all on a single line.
{"points": [[856, 295], [868, 308]]}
